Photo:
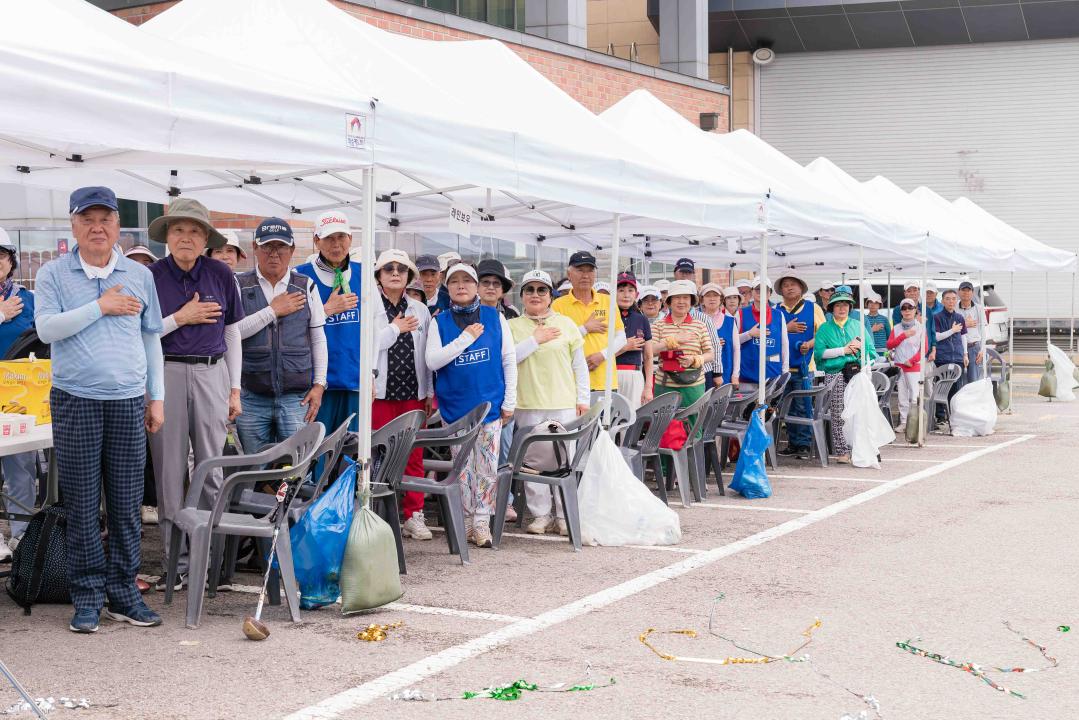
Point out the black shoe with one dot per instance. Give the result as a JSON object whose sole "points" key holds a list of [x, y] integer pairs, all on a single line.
{"points": [[790, 450], [181, 582]]}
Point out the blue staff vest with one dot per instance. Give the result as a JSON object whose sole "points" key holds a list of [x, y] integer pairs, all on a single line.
{"points": [[342, 331], [751, 351], [803, 312], [475, 376], [726, 333]]}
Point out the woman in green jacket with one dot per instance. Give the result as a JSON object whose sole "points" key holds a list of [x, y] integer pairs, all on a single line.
{"points": [[839, 343]]}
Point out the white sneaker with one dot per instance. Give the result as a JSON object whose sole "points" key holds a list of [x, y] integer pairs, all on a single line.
{"points": [[481, 534], [539, 525], [416, 528], [563, 530], [149, 515], [5, 551]]}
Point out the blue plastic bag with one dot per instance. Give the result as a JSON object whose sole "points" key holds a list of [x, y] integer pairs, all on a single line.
{"points": [[318, 541], [750, 475]]}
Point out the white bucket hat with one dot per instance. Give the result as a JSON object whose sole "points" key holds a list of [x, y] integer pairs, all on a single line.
{"points": [[537, 276]]}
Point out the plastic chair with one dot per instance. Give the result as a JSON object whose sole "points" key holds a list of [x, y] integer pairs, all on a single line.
{"points": [[582, 431], [201, 525], [998, 366], [707, 448], [684, 468], [819, 396], [943, 378], [641, 439], [884, 384], [462, 435], [734, 427], [248, 500], [391, 446], [622, 415]]}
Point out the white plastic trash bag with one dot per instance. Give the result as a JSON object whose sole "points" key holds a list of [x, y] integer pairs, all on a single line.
{"points": [[864, 426], [974, 409], [1065, 372], [616, 507]]}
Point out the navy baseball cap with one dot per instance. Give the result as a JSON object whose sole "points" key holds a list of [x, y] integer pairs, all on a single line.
{"points": [[88, 197], [583, 257], [685, 264], [966, 285], [272, 229], [427, 262]]}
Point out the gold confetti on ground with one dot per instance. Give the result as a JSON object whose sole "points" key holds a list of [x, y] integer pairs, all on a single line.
{"points": [[377, 633]]}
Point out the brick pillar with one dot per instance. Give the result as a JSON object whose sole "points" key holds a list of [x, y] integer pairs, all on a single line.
{"points": [[562, 20], [683, 36]]}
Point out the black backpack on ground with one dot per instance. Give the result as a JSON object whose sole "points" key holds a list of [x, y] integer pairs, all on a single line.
{"points": [[39, 565]]}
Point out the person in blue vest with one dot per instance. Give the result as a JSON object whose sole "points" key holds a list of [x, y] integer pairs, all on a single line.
{"points": [[777, 354], [729, 333], [16, 316], [471, 350], [338, 280], [801, 318], [284, 342]]}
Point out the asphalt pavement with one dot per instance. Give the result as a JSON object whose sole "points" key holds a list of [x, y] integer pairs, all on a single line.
{"points": [[944, 543]]}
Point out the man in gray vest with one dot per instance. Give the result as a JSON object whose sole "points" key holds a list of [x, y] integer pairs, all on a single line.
{"points": [[284, 345]]}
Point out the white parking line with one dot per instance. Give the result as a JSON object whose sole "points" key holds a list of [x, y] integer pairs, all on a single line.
{"points": [[925, 460], [408, 675], [559, 538], [934, 446], [825, 477], [754, 507], [452, 612]]}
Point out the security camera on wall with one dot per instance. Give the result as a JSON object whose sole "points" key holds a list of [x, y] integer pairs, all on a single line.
{"points": [[764, 56]]}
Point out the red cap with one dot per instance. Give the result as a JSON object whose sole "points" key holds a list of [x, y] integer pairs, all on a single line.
{"points": [[627, 278]]}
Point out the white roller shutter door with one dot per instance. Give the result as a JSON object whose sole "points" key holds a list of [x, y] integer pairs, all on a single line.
{"points": [[995, 122]]}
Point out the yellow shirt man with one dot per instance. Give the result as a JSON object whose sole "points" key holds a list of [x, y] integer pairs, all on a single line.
{"points": [[579, 312]]}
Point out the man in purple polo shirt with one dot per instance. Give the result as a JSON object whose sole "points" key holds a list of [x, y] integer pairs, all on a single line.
{"points": [[200, 303]]}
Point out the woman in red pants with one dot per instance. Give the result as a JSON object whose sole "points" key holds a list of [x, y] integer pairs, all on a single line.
{"points": [[403, 382]]}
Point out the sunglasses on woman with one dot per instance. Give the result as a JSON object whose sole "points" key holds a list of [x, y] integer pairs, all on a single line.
{"points": [[536, 290], [396, 268]]}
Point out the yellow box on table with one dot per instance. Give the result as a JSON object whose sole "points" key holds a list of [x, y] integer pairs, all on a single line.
{"points": [[24, 388]]}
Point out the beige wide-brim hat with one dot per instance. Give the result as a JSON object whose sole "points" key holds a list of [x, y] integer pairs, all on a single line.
{"points": [[682, 287], [779, 281], [398, 256], [186, 209]]}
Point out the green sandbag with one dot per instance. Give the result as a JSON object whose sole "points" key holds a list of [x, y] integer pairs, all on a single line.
{"points": [[1002, 393], [369, 571], [1048, 385], [917, 425]]}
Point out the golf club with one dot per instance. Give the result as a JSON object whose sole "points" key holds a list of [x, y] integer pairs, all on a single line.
{"points": [[253, 627]]}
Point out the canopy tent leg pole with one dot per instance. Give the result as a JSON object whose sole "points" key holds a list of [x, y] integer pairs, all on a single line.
{"points": [[1048, 320], [1071, 321], [983, 325], [861, 304], [766, 297], [539, 253], [1011, 338], [612, 313], [367, 326], [923, 428], [888, 300], [646, 276]]}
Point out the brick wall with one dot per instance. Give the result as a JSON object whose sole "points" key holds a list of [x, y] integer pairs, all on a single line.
{"points": [[597, 87]]}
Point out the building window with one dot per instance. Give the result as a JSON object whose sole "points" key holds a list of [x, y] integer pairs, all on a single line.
{"points": [[504, 13]]}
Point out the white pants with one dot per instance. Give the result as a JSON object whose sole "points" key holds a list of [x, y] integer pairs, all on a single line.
{"points": [[631, 385], [908, 394], [538, 496]]}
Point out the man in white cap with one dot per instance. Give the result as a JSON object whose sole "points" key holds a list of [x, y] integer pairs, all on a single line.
{"points": [[231, 253], [824, 294], [338, 280], [663, 286], [141, 254], [745, 289], [776, 349]]}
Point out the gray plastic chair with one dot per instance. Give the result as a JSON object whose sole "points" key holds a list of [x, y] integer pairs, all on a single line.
{"points": [[462, 435], [201, 525], [641, 439], [622, 415], [884, 385], [943, 378], [820, 396], [998, 366], [708, 448], [685, 471], [512, 478], [391, 446]]}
